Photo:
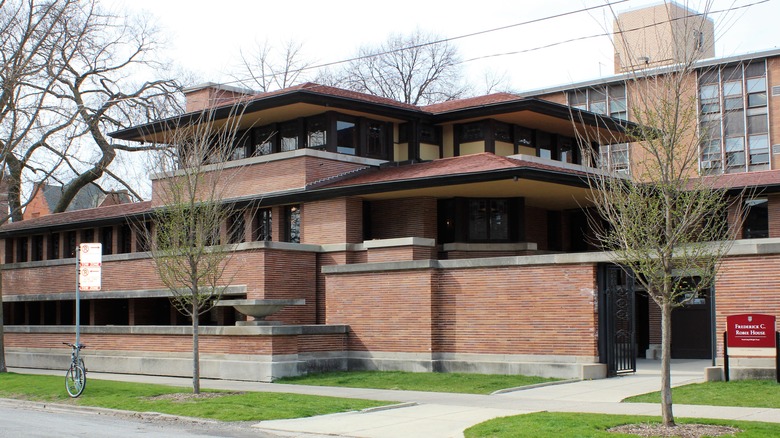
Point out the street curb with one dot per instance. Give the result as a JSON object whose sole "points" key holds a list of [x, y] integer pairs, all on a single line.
{"points": [[534, 386], [388, 407], [58, 407]]}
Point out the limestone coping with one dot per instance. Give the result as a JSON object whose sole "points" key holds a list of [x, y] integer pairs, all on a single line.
{"points": [[184, 330]]}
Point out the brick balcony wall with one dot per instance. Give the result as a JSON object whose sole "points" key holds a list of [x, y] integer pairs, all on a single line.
{"points": [[266, 273], [537, 310], [257, 178], [161, 343], [388, 311], [209, 344]]}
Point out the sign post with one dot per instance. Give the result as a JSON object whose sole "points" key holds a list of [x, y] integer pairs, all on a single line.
{"points": [[89, 260], [750, 334]]}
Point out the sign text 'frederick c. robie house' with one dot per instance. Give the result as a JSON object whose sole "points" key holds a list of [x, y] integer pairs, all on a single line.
{"points": [[751, 334]]}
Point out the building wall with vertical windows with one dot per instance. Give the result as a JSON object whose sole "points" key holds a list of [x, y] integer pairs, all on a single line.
{"points": [[734, 118]]}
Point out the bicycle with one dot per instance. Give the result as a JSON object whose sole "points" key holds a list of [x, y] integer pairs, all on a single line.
{"points": [[76, 376]]}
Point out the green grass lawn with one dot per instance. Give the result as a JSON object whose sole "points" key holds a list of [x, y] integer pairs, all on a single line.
{"points": [[435, 382], [556, 425], [249, 406], [747, 393]]}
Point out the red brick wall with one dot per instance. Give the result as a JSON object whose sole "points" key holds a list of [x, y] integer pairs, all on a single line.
{"points": [[536, 226], [326, 259], [732, 217], [399, 253], [271, 274], [37, 206], [559, 97], [654, 321], [773, 206], [773, 79], [265, 177], [456, 255], [333, 221], [322, 343], [517, 310], [290, 275], [209, 97], [746, 285], [388, 311], [411, 217], [511, 310], [162, 343]]}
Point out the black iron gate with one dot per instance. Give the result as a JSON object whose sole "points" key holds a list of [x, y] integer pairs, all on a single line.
{"points": [[617, 344]]}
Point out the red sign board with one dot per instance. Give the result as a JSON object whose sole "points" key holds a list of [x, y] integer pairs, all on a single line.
{"points": [[751, 330]]}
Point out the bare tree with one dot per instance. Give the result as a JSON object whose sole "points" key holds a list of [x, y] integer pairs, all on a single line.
{"points": [[418, 69], [665, 225], [27, 40], [64, 69], [97, 54], [266, 68], [28, 123], [494, 81], [185, 238]]}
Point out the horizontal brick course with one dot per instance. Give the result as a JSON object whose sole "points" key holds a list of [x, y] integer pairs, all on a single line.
{"points": [[253, 345]]}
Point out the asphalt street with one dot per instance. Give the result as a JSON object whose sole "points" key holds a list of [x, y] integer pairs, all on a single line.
{"points": [[36, 420]]}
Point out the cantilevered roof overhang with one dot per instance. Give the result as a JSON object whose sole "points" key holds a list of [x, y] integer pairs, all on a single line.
{"points": [[311, 99], [543, 183], [279, 106], [547, 116]]}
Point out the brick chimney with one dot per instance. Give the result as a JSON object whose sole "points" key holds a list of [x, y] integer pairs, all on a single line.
{"points": [[210, 94]]}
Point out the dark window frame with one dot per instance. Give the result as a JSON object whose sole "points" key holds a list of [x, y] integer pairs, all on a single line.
{"points": [[36, 248], [107, 240], [9, 250], [21, 249], [292, 223], [70, 244], [125, 239], [756, 223], [454, 220], [317, 124], [143, 237], [236, 227], [382, 150], [348, 142], [263, 225], [472, 132], [53, 247], [268, 134], [292, 130]]}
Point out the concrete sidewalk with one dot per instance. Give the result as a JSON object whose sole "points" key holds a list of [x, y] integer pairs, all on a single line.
{"points": [[429, 414]]}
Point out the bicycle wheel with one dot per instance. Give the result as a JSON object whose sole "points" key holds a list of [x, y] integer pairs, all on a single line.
{"points": [[75, 380]]}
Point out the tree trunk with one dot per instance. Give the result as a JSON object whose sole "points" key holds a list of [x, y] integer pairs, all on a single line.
{"points": [[666, 363], [195, 350]]}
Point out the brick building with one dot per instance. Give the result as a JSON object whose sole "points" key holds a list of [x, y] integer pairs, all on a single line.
{"points": [[449, 237]]}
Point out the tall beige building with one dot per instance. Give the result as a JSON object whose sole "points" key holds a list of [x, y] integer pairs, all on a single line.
{"points": [[667, 33]]}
